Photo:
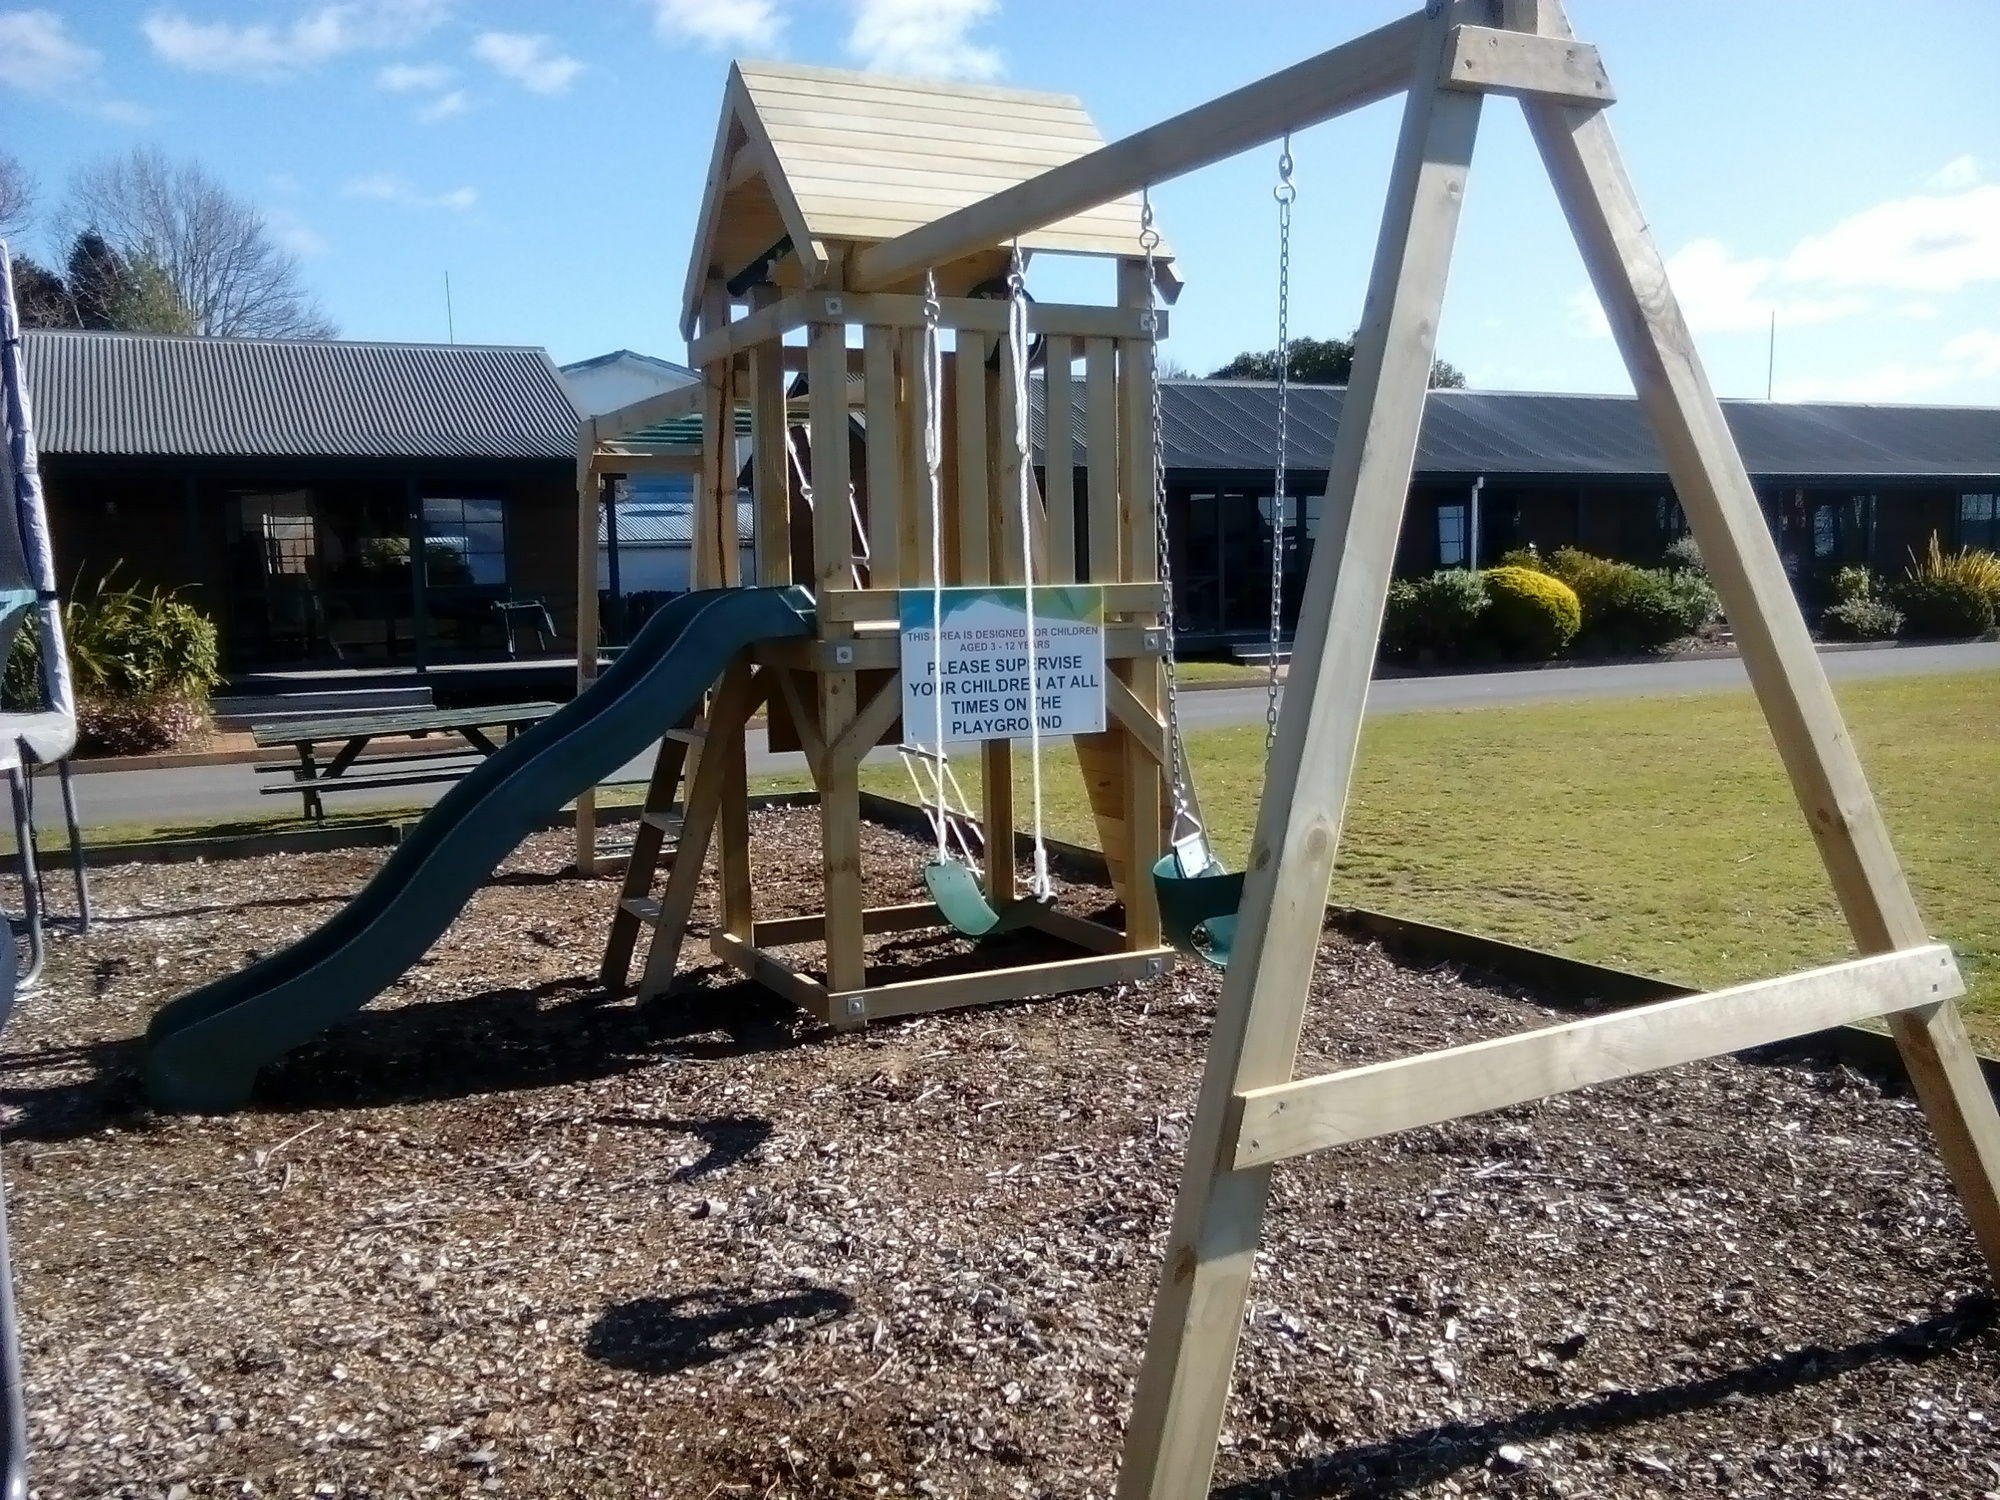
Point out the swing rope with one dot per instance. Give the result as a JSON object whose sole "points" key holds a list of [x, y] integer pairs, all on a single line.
{"points": [[1017, 347], [933, 468], [865, 557]]}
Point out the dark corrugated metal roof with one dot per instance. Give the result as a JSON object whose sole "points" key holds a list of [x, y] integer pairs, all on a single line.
{"points": [[667, 525], [122, 393], [1232, 424]]}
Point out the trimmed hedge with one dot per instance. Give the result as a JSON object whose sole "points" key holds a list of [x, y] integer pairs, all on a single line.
{"points": [[1441, 614], [1531, 615]]}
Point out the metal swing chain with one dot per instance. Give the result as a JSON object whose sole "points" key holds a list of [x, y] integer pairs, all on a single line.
{"points": [[1286, 193], [933, 465], [1184, 816]]}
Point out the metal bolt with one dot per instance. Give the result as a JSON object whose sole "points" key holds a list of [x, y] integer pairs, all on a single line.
{"points": [[856, 1007], [835, 308], [843, 655]]}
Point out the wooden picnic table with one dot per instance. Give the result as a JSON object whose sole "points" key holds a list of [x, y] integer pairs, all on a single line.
{"points": [[316, 773]]}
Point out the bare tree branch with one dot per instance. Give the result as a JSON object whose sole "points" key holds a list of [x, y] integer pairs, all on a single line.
{"points": [[17, 198], [212, 246]]}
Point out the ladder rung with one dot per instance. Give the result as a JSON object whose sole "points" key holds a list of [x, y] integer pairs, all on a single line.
{"points": [[666, 822], [645, 908], [691, 736]]}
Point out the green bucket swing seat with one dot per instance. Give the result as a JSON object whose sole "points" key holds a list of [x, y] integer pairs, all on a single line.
{"points": [[1198, 901]]}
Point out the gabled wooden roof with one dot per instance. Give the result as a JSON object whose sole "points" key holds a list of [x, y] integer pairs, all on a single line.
{"points": [[823, 155]]}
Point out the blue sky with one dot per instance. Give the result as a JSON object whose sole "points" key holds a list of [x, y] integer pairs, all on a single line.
{"points": [[1837, 161]]}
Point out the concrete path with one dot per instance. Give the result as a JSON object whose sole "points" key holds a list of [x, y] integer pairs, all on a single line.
{"points": [[213, 794]]}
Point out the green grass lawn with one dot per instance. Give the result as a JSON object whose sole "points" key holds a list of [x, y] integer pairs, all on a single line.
{"points": [[1655, 834]]}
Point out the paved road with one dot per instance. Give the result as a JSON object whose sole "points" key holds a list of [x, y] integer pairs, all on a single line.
{"points": [[210, 794]]}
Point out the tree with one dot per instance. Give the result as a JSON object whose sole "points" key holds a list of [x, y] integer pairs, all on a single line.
{"points": [[1318, 362], [129, 293], [212, 248], [41, 297], [17, 198]]}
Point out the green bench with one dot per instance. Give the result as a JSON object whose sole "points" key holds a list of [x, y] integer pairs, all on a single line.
{"points": [[332, 752]]}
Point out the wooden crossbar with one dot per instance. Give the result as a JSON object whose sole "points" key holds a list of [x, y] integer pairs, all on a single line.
{"points": [[1311, 1114], [1493, 61]]}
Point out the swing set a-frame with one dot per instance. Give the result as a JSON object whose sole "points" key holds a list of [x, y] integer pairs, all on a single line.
{"points": [[1253, 1114]]}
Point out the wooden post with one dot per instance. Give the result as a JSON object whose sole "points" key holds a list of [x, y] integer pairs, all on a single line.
{"points": [[1785, 670], [586, 618], [1212, 1246], [833, 564], [1139, 562], [770, 475]]}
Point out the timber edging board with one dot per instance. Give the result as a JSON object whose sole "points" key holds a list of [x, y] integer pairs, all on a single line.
{"points": [[1566, 984]]}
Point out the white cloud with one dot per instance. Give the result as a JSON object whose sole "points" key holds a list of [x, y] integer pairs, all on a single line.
{"points": [[1930, 243], [1958, 173], [413, 78], [388, 187], [1978, 349], [38, 57], [531, 61], [719, 23], [1720, 294], [927, 38], [294, 234], [269, 51], [1890, 382], [444, 107]]}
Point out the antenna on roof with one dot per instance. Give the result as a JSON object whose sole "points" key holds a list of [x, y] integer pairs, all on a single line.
{"points": [[450, 328], [1771, 357]]}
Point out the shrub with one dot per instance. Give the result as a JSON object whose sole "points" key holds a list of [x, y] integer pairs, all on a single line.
{"points": [[135, 655], [1862, 619], [1943, 607], [1683, 555], [1531, 614], [1949, 593], [1440, 613], [1523, 557], [1853, 584], [139, 726], [1628, 608]]}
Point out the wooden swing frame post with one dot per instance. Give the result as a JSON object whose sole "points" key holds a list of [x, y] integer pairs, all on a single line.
{"points": [[1252, 1112]]}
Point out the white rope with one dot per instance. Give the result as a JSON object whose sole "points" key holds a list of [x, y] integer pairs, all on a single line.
{"points": [[933, 465], [1017, 348], [1286, 193]]}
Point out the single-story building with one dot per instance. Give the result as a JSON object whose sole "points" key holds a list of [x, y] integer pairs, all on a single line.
{"points": [[287, 485], [1499, 469], [606, 382]]}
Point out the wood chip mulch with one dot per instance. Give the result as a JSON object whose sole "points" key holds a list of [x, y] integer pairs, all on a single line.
{"points": [[503, 1235]]}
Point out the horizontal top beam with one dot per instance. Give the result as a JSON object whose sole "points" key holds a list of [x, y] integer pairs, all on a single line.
{"points": [[1354, 74]]}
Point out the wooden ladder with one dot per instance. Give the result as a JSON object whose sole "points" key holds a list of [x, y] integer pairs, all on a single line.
{"points": [[656, 841]]}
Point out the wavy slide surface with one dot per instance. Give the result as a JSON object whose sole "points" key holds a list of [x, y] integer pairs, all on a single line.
{"points": [[203, 1049]]}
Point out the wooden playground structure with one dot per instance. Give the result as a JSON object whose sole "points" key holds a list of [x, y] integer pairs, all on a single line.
{"points": [[831, 203]]}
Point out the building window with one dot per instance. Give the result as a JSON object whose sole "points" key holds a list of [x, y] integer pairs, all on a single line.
{"points": [[1669, 519], [465, 542], [290, 532], [1979, 521], [1452, 536]]}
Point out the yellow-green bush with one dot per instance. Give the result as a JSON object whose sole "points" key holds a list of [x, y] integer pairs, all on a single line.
{"points": [[1531, 614], [1949, 594]]}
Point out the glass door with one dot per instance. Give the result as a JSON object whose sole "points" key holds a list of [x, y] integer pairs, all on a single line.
{"points": [[274, 606]]}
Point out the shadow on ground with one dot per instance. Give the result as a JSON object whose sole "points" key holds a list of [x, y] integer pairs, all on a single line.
{"points": [[562, 1031], [1418, 1461], [662, 1335]]}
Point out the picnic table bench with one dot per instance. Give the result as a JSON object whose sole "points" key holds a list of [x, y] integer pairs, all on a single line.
{"points": [[349, 768]]}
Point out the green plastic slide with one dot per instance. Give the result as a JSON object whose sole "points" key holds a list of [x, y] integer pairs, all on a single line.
{"points": [[203, 1050]]}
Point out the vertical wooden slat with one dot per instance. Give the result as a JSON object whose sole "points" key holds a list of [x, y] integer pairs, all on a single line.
{"points": [[887, 496], [914, 534], [770, 473], [1212, 1245], [586, 619], [974, 464], [1004, 506], [1100, 428], [833, 563], [1058, 474]]}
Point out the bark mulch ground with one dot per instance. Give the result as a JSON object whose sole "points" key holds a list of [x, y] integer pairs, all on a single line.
{"points": [[503, 1235]]}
